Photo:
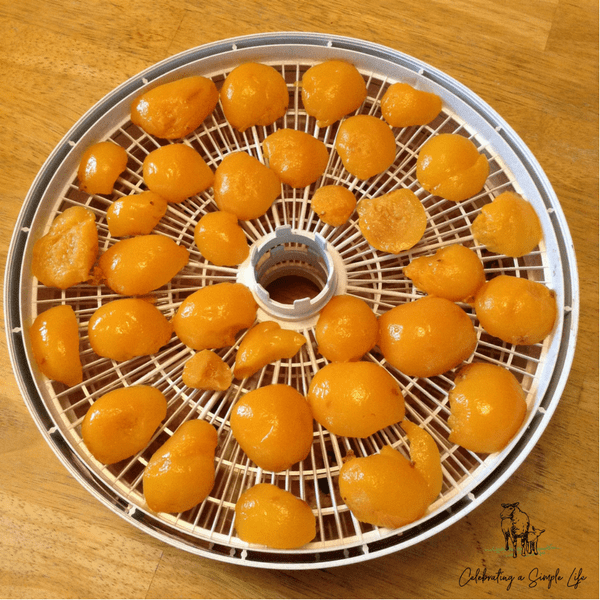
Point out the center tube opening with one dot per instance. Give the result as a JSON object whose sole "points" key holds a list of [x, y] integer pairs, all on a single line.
{"points": [[300, 257]]}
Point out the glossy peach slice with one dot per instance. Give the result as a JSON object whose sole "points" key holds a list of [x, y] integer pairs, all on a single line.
{"points": [[297, 157], [137, 214], [206, 370], [65, 255], [143, 263], [347, 329], [487, 406], [176, 172], [181, 473], [265, 343], [121, 423], [334, 204], [425, 456], [393, 222], [384, 489], [220, 239], [129, 327], [254, 94], [273, 425], [518, 311], [508, 225], [270, 516], [355, 399], [212, 316], [426, 337], [331, 90], [173, 110], [54, 338], [366, 146], [245, 186], [402, 105], [450, 166], [454, 272], [100, 166]]}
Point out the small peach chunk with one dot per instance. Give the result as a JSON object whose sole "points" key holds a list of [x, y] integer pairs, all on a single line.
{"points": [[425, 456], [426, 337], [487, 407], [508, 225], [265, 343], [137, 214], [450, 166], [454, 272], [272, 517], [220, 239], [355, 399], [181, 473], [121, 423], [54, 338], [273, 425], [334, 204], [403, 106], [212, 316], [176, 172], [384, 489], [516, 310], [206, 370], [393, 222], [331, 90], [254, 94], [100, 166], [347, 329], [129, 327], [244, 186], [138, 265], [173, 110], [366, 145], [297, 157], [65, 255]]}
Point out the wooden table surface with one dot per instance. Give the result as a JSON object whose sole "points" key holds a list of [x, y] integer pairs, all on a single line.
{"points": [[536, 63]]}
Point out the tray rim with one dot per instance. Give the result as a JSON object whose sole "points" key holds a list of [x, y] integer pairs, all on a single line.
{"points": [[41, 414]]}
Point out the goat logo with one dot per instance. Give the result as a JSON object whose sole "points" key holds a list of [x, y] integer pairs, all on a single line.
{"points": [[515, 524]]}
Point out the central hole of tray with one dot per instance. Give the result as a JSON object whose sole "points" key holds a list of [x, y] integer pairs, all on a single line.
{"points": [[293, 273], [289, 288], [290, 273]]}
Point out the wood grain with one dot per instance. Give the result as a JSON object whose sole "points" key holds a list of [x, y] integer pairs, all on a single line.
{"points": [[536, 63]]}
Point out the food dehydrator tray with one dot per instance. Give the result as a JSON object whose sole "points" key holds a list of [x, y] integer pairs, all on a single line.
{"points": [[208, 530]]}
